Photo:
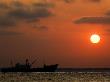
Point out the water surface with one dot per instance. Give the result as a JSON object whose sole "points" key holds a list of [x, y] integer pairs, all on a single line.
{"points": [[56, 77]]}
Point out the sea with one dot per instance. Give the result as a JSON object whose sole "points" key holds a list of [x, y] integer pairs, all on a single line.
{"points": [[55, 77]]}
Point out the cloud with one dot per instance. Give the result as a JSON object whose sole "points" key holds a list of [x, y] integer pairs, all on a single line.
{"points": [[19, 12], [6, 21], [44, 5], [3, 6], [107, 13], [29, 16], [94, 1], [68, 1], [17, 4], [93, 20], [9, 33], [40, 28]]}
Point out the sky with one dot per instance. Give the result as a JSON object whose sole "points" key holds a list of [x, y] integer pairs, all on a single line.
{"points": [[55, 32]]}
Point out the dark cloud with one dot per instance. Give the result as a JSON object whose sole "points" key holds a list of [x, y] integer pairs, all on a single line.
{"points": [[19, 12], [94, 20], [107, 13], [3, 6], [17, 4], [9, 33], [95, 1], [32, 20], [29, 15], [42, 13], [108, 30], [40, 28], [68, 1], [6, 21], [43, 5]]}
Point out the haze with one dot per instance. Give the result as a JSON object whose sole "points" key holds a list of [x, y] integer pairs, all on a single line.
{"points": [[55, 31]]}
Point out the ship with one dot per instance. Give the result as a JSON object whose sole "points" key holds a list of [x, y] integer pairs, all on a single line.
{"points": [[27, 67]]}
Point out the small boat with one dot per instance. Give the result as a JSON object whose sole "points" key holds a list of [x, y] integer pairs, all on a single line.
{"points": [[27, 67]]}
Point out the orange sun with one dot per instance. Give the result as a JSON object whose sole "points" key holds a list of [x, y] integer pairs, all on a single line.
{"points": [[95, 38]]}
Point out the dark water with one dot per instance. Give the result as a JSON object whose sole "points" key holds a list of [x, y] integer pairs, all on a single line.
{"points": [[56, 77]]}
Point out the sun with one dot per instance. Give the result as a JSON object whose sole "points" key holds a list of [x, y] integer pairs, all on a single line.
{"points": [[95, 38]]}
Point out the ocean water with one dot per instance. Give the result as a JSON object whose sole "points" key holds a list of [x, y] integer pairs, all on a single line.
{"points": [[56, 77]]}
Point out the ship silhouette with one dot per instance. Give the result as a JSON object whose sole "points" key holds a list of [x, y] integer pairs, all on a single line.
{"points": [[27, 67]]}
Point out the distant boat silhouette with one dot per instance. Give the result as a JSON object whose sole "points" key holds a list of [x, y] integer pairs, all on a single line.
{"points": [[27, 67]]}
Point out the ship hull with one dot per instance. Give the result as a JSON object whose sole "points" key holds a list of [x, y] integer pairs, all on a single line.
{"points": [[51, 68]]}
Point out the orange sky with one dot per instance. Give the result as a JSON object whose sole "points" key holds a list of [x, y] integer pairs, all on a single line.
{"points": [[63, 42]]}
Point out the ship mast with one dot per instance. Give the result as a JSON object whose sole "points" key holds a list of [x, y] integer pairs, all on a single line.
{"points": [[11, 63]]}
